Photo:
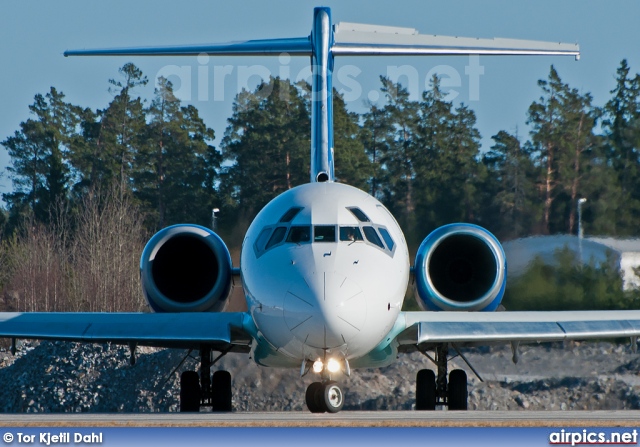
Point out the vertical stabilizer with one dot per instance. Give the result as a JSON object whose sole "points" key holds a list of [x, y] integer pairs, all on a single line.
{"points": [[321, 97]]}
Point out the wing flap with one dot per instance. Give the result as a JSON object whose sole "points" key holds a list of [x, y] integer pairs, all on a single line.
{"points": [[478, 327], [369, 40], [601, 329], [458, 332], [183, 329]]}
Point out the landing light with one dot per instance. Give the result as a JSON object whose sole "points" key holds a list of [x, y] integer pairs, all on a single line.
{"points": [[333, 366], [317, 366]]}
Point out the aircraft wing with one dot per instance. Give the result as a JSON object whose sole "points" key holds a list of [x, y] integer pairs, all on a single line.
{"points": [[372, 40], [425, 328], [220, 330]]}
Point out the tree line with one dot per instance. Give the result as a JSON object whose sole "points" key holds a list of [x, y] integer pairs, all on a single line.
{"points": [[73, 168], [421, 158]]}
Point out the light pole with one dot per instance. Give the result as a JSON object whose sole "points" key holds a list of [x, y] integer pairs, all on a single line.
{"points": [[214, 218], [580, 229]]}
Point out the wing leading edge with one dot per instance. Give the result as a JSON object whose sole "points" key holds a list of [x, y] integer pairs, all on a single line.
{"points": [[486, 327], [176, 330]]}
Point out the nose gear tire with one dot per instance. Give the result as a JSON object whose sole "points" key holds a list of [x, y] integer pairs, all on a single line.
{"points": [[332, 397]]}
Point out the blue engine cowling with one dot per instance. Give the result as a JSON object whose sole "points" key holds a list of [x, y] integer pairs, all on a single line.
{"points": [[186, 268], [460, 267]]}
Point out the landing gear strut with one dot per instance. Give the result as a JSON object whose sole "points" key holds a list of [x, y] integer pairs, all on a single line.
{"points": [[432, 390], [205, 391], [326, 396]]}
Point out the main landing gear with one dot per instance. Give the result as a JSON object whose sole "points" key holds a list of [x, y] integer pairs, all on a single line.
{"points": [[205, 390], [432, 390], [326, 396]]}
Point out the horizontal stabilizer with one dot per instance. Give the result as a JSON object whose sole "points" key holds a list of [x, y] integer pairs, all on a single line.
{"points": [[299, 46], [357, 40], [370, 40]]}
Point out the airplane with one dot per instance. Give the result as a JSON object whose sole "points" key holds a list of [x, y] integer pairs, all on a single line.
{"points": [[325, 266]]}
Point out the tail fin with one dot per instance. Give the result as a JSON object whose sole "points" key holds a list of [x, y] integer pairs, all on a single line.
{"points": [[327, 41]]}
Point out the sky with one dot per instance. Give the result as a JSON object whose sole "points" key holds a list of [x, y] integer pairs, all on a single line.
{"points": [[35, 33]]}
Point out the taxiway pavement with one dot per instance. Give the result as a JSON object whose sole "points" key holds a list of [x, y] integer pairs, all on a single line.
{"points": [[342, 419]]}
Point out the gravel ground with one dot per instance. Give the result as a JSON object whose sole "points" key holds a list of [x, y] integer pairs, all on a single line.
{"points": [[71, 377]]}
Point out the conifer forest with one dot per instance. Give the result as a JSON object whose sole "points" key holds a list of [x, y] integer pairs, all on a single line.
{"points": [[89, 187]]}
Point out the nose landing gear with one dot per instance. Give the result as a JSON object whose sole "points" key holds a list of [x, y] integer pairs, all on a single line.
{"points": [[324, 397]]}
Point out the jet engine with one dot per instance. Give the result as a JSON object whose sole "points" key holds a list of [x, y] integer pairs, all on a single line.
{"points": [[460, 267], [186, 268]]}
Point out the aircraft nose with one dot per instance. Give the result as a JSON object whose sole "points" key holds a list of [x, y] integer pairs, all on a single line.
{"points": [[325, 310]]}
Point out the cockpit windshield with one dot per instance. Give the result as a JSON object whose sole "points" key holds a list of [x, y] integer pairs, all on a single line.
{"points": [[285, 233], [276, 237], [360, 215], [299, 234], [350, 234], [324, 233], [372, 236], [289, 215]]}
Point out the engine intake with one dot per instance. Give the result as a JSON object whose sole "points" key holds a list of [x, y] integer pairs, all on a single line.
{"points": [[460, 267], [186, 268]]}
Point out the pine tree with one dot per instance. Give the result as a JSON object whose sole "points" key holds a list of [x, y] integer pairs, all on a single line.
{"points": [[104, 151], [577, 146], [176, 168], [267, 144], [374, 134], [425, 159], [621, 124], [446, 162], [351, 162], [563, 143], [400, 116], [123, 124], [39, 170], [509, 186], [545, 118]]}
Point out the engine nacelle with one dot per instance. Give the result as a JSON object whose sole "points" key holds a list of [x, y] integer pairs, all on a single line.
{"points": [[186, 268], [460, 267]]}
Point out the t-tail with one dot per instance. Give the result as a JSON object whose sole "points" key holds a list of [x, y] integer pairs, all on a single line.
{"points": [[344, 39]]}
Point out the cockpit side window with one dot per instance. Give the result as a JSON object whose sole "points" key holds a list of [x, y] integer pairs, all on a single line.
{"points": [[276, 237], [350, 234], [372, 236], [387, 238], [289, 215], [299, 234], [360, 215], [324, 233], [263, 238]]}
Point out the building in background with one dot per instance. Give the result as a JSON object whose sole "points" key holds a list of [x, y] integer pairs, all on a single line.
{"points": [[625, 253]]}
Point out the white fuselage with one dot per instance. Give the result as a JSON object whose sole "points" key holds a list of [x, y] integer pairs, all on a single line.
{"points": [[327, 281]]}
